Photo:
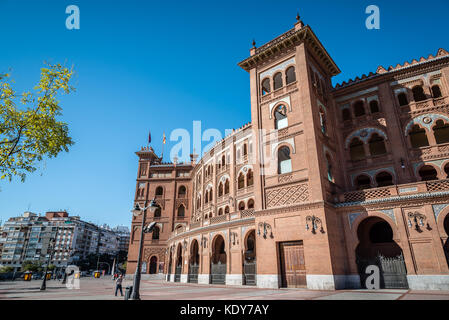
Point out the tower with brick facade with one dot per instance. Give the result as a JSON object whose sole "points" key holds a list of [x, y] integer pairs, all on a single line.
{"points": [[324, 182]]}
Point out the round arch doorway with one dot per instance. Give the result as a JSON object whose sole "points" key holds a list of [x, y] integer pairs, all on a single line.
{"points": [[178, 266], [170, 263], [377, 247], [153, 265], [194, 262], [218, 261], [249, 261]]}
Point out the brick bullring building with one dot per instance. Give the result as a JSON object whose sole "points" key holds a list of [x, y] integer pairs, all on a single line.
{"points": [[323, 182]]}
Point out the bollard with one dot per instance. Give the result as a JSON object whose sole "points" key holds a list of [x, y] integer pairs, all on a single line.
{"points": [[128, 292]]}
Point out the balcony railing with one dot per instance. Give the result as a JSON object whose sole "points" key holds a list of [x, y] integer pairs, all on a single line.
{"points": [[392, 191], [429, 103], [223, 168], [431, 151], [244, 214]]}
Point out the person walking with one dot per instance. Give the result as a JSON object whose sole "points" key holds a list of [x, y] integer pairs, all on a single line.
{"points": [[118, 285]]}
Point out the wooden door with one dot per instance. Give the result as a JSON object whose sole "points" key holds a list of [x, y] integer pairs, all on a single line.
{"points": [[293, 266]]}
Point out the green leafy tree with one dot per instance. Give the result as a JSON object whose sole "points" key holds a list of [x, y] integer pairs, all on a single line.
{"points": [[31, 266], [29, 128], [6, 269]]}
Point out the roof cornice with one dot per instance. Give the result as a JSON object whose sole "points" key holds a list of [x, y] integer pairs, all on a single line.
{"points": [[287, 40]]}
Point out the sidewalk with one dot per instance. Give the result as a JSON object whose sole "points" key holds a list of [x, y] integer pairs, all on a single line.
{"points": [[103, 289]]}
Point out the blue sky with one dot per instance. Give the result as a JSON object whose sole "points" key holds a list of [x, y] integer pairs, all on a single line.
{"points": [[160, 65]]}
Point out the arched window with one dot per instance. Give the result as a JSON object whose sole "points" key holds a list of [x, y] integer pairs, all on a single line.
{"points": [[357, 150], [428, 173], [266, 86], [157, 213], [290, 75], [210, 195], [223, 160], [418, 137], [245, 149], [249, 178], [278, 81], [198, 202], [220, 212], [155, 235], [182, 192], [330, 176], [220, 189], [377, 145], [159, 192], [181, 211], [346, 114], [323, 121], [384, 179], [241, 206], [363, 182], [402, 98], [359, 109], [227, 187], [250, 204], [441, 132], [374, 106], [436, 92], [418, 93], [206, 197], [241, 181], [284, 161], [280, 117], [226, 210]]}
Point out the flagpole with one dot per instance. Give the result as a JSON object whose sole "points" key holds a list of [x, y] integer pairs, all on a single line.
{"points": [[163, 143]]}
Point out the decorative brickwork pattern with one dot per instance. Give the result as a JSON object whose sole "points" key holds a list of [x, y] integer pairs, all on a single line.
{"points": [[288, 195], [366, 195], [438, 185], [285, 178], [247, 213]]}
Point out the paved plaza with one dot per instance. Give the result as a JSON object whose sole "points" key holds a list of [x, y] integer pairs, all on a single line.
{"points": [[103, 289]]}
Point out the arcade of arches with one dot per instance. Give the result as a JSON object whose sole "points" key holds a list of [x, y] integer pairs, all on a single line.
{"points": [[245, 256]]}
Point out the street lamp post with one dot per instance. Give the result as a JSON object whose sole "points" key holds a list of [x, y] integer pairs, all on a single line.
{"points": [[50, 249], [148, 229]]}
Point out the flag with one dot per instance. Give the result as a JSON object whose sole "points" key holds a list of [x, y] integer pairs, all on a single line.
{"points": [[149, 137], [164, 139]]}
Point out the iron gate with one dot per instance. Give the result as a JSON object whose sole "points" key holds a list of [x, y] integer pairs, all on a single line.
{"points": [[249, 272], [178, 271], [393, 272], [193, 273], [218, 273]]}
